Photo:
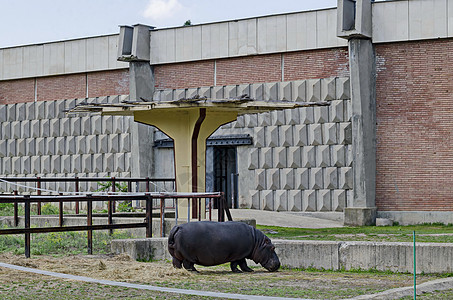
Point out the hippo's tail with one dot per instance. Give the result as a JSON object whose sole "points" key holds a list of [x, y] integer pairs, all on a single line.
{"points": [[171, 240]]}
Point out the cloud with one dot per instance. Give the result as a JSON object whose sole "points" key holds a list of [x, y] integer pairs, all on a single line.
{"points": [[161, 9]]}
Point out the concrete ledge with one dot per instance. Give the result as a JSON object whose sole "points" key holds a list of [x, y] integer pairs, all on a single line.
{"points": [[354, 216], [329, 255], [417, 217]]}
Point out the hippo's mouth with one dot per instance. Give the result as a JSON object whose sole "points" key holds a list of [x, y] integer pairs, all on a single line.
{"points": [[271, 266]]}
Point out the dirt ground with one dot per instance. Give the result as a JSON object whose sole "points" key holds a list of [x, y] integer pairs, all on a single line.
{"points": [[285, 283]]}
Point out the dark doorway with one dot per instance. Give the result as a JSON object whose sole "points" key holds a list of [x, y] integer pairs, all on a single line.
{"points": [[225, 173]]}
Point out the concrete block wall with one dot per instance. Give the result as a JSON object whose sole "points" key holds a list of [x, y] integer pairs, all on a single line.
{"points": [[40, 139], [301, 159]]}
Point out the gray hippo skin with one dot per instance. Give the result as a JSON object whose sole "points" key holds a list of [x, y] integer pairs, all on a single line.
{"points": [[213, 243]]}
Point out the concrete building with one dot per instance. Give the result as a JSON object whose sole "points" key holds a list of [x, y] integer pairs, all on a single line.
{"points": [[382, 147]]}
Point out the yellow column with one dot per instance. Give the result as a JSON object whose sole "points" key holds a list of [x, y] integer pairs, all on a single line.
{"points": [[189, 128]]}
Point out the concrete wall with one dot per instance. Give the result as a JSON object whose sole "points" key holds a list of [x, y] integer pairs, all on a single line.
{"points": [[300, 159], [328, 255]]}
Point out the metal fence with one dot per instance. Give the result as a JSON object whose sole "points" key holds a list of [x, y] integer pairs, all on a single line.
{"points": [[26, 200]]}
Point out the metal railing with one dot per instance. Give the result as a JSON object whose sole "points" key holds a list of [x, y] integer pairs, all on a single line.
{"points": [[26, 200], [150, 185]]}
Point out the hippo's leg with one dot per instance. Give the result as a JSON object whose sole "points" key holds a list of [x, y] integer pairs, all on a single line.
{"points": [[243, 265], [234, 266], [189, 265], [177, 263]]}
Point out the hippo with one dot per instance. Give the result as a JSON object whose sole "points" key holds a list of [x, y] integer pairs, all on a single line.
{"points": [[209, 243]]}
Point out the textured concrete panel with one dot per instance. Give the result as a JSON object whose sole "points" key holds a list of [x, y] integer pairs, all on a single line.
{"points": [[103, 143], [338, 200], [330, 133], [348, 110], [21, 147], [277, 117], [66, 164], [6, 165], [260, 179], [279, 157], [264, 119], [281, 200], [295, 200], [60, 107], [40, 108], [313, 90], [230, 91], [259, 137], [11, 112], [40, 146], [96, 125], [301, 178], [251, 121], [50, 146], [240, 122], [218, 92], [309, 200], [345, 179], [91, 145], [345, 133], [35, 129], [255, 199], [76, 163], [253, 159], [270, 91], [271, 133], [114, 143], [97, 161], [81, 144], [299, 90], [300, 135], [190, 93], [338, 156], [21, 113], [343, 88], [60, 144], [35, 164], [45, 127], [331, 178], [273, 179], [109, 162], [349, 156], [316, 180], [15, 130], [107, 124], [321, 114], [55, 164], [25, 129], [287, 178], [120, 165], [294, 157], [309, 156], [6, 130], [257, 91], [125, 143], [15, 165], [3, 113], [292, 116], [285, 135], [87, 163], [30, 148], [324, 201], [54, 127], [315, 134], [45, 164], [70, 145], [336, 111], [265, 158], [75, 126], [205, 92], [65, 127], [328, 89], [117, 122], [11, 148], [50, 110], [323, 156], [285, 91], [306, 115], [3, 148], [85, 126], [267, 200]]}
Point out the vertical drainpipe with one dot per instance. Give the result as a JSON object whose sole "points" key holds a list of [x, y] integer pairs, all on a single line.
{"points": [[354, 23]]}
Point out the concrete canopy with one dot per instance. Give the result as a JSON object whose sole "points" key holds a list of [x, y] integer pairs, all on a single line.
{"points": [[189, 122]]}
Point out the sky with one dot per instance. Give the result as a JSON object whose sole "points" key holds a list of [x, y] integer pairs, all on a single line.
{"points": [[24, 22]]}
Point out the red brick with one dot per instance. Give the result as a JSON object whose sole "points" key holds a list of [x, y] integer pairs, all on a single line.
{"points": [[16, 91]]}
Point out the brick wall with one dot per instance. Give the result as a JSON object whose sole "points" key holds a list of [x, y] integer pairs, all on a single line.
{"points": [[61, 87], [16, 91], [184, 75], [105, 83], [415, 126]]}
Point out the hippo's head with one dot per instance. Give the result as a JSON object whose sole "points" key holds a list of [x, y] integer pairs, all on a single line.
{"points": [[265, 254]]}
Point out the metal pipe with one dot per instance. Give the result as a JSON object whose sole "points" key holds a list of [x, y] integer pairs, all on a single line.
{"points": [[176, 210], [38, 185], [60, 212], [162, 212], [27, 225], [16, 212], [89, 223], [149, 216], [76, 182]]}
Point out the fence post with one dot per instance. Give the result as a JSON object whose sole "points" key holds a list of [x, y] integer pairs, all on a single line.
{"points": [[76, 182], [60, 206], [113, 190], [27, 225], [89, 223], [16, 212], [38, 183], [149, 216], [162, 216]]}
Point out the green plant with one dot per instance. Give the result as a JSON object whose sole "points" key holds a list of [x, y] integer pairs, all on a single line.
{"points": [[7, 209], [124, 206], [49, 209]]}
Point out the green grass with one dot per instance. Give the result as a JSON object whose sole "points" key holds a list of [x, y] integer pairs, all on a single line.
{"points": [[424, 233], [61, 243]]}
